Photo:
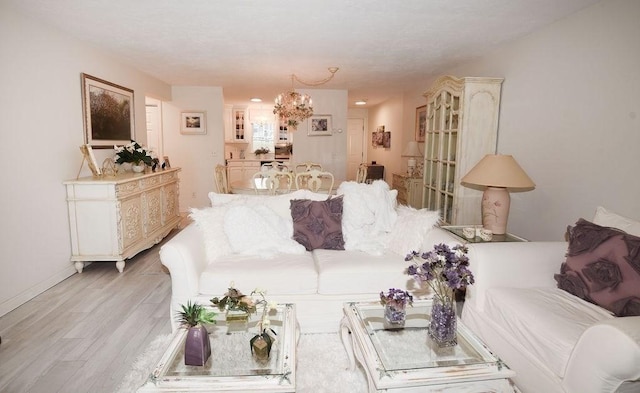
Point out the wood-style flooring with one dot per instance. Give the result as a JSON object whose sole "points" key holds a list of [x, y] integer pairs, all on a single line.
{"points": [[83, 334]]}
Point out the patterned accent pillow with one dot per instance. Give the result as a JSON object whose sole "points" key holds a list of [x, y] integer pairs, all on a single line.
{"points": [[318, 224], [603, 267]]}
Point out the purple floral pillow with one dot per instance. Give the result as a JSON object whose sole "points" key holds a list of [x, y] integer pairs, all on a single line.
{"points": [[603, 267], [318, 224]]}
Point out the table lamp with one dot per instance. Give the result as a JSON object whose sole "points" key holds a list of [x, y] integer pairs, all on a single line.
{"points": [[412, 151], [497, 172]]}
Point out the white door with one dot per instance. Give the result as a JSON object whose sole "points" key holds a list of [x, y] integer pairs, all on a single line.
{"points": [[154, 126], [355, 146]]}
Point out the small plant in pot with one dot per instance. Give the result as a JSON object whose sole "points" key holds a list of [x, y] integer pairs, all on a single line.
{"points": [[197, 347], [262, 342]]}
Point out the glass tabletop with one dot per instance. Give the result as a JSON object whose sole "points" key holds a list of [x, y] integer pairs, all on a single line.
{"points": [[411, 347], [457, 230], [230, 349]]}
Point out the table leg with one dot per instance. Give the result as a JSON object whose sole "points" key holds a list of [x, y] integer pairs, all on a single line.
{"points": [[347, 342]]}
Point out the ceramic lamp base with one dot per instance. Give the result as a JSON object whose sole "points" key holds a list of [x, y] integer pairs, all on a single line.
{"points": [[495, 209]]}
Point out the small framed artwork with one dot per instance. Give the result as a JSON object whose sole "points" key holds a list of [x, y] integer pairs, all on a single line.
{"points": [[193, 123], [87, 153], [386, 139], [379, 136], [319, 125], [373, 139], [108, 113], [165, 163], [421, 123]]}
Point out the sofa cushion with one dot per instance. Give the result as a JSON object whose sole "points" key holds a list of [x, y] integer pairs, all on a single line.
{"points": [[411, 229], [258, 230], [277, 203], [603, 267], [607, 218], [357, 272], [547, 322], [369, 215], [318, 224], [286, 274], [210, 222]]}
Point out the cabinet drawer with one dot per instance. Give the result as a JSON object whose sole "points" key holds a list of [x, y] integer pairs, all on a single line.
{"points": [[128, 188]]}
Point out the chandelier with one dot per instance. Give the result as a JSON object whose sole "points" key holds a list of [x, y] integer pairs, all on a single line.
{"points": [[293, 107]]}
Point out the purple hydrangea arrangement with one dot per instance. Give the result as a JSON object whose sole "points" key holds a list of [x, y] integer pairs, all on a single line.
{"points": [[443, 269], [394, 302]]}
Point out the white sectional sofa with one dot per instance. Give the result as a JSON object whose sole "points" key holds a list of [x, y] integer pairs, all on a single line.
{"points": [[378, 235], [553, 340]]}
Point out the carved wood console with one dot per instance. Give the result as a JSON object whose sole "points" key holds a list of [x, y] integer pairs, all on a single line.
{"points": [[114, 218]]}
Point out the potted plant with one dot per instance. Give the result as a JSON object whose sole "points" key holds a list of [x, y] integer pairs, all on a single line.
{"points": [[262, 342], [261, 151], [197, 347], [135, 154], [395, 302], [445, 270], [237, 305]]}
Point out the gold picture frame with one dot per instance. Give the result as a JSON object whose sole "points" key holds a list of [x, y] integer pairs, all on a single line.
{"points": [[87, 154], [421, 123]]}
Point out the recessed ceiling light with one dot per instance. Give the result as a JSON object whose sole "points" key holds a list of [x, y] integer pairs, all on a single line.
{"points": [[256, 99], [361, 102]]}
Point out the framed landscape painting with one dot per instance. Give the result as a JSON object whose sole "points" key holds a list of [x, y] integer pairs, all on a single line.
{"points": [[319, 125], [193, 123], [108, 113]]}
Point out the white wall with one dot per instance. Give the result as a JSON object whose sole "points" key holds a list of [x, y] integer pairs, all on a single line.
{"points": [[41, 128], [197, 155], [570, 116], [330, 150], [390, 115]]}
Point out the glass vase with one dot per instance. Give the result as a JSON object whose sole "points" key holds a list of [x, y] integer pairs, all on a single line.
{"points": [[442, 328], [394, 314]]}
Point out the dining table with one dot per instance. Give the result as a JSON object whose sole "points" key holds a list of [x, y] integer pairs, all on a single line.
{"points": [[249, 186]]}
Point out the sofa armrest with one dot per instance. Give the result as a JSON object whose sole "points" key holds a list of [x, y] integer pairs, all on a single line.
{"points": [[185, 258], [606, 356], [512, 265]]}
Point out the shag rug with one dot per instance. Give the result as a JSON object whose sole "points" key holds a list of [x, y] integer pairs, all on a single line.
{"points": [[322, 366]]}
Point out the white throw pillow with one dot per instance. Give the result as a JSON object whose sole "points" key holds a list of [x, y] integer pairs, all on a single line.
{"points": [[258, 230], [607, 218], [410, 229], [211, 222], [368, 215]]}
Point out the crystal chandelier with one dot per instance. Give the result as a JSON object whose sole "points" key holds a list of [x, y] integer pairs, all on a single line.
{"points": [[293, 107]]}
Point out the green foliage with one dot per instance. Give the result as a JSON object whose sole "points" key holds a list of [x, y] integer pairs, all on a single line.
{"points": [[193, 314]]}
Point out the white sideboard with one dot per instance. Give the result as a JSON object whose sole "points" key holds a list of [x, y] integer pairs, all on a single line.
{"points": [[114, 218]]}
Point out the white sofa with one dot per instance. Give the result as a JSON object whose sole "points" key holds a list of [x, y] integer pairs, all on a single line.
{"points": [[553, 340], [318, 282]]}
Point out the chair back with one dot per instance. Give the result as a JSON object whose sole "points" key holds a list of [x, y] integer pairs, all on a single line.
{"points": [[272, 181], [313, 180], [307, 166], [220, 175], [361, 174]]}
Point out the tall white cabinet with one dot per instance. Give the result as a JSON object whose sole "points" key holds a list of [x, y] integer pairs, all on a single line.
{"points": [[462, 127], [112, 219]]}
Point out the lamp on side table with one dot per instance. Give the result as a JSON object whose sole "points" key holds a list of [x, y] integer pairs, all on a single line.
{"points": [[497, 172]]}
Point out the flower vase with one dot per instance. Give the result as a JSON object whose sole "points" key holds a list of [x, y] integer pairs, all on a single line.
{"points": [[261, 346], [137, 168], [442, 328], [395, 313], [197, 347]]}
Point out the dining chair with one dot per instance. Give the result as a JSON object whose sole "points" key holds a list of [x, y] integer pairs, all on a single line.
{"points": [[361, 174], [221, 179], [314, 180], [272, 181], [307, 166]]}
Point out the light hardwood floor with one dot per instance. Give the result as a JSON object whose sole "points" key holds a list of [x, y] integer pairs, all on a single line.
{"points": [[83, 334]]}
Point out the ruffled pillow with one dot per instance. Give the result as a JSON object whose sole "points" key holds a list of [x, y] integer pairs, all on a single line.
{"points": [[318, 224], [603, 267]]}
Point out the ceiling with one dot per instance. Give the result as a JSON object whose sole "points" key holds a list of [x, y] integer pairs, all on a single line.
{"points": [[251, 48]]}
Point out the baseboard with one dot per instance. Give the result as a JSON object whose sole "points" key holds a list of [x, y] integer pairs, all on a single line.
{"points": [[25, 296]]}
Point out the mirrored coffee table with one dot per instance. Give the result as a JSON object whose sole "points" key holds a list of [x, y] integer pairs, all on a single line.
{"points": [[231, 366], [408, 360]]}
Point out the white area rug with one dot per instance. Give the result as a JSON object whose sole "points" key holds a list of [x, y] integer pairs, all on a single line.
{"points": [[322, 366]]}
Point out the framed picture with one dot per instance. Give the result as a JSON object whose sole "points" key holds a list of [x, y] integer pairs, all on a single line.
{"points": [[421, 123], [386, 139], [166, 164], [193, 123], [373, 139], [87, 153], [379, 136], [108, 113], [319, 125]]}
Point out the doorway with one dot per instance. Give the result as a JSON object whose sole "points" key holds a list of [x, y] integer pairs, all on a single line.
{"points": [[154, 126], [356, 153]]}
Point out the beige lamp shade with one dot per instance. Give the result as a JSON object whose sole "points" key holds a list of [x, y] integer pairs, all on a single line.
{"points": [[497, 173], [411, 150]]}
